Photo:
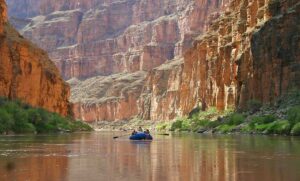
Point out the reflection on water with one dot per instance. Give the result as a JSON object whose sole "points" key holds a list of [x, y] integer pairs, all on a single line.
{"points": [[96, 156]]}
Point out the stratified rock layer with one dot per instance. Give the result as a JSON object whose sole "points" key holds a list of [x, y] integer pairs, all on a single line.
{"points": [[251, 52], [159, 99], [107, 97], [27, 73], [97, 37]]}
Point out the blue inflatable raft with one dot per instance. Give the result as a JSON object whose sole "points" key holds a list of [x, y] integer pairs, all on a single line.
{"points": [[141, 136]]}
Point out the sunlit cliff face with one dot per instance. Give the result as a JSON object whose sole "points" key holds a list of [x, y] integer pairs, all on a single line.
{"points": [[90, 38], [27, 73], [247, 50], [3, 15]]}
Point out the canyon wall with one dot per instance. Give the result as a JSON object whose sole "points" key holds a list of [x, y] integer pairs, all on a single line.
{"points": [[111, 97], [103, 37], [112, 38], [160, 96], [26, 72], [250, 52], [174, 55]]}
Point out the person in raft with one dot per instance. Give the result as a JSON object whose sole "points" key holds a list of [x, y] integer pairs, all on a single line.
{"points": [[133, 132], [148, 136], [140, 129], [147, 131]]}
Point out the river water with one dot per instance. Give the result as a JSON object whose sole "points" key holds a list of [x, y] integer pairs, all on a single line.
{"points": [[97, 156]]}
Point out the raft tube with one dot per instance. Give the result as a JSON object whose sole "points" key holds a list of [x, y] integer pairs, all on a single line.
{"points": [[141, 136]]}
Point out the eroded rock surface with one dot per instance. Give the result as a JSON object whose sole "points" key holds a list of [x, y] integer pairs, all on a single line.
{"points": [[27, 73], [160, 97], [97, 37], [249, 51], [107, 97]]}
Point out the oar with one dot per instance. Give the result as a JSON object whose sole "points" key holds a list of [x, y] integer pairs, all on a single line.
{"points": [[115, 137], [164, 134]]}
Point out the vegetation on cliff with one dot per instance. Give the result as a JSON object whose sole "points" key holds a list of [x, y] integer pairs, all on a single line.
{"points": [[281, 117], [17, 117]]}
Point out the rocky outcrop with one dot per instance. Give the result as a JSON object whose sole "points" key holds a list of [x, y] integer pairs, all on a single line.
{"points": [[107, 97], [160, 96], [27, 73], [3, 17], [91, 38], [96, 37], [250, 52]]}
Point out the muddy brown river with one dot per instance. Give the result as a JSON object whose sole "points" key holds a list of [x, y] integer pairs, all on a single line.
{"points": [[180, 157]]}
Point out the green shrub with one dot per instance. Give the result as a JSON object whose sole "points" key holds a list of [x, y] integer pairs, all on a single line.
{"points": [[162, 126], [294, 115], [186, 125], [201, 122], [246, 129], [254, 105], [80, 126], [181, 124], [195, 125], [6, 121], [257, 120], [194, 112], [213, 124], [296, 129], [225, 128], [276, 127], [235, 119], [22, 118], [279, 127], [261, 127], [34, 116], [176, 125]]}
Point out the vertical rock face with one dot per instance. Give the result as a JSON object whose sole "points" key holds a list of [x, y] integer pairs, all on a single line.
{"points": [[107, 97], [88, 39], [3, 17], [103, 37], [27, 73], [159, 99], [250, 52]]}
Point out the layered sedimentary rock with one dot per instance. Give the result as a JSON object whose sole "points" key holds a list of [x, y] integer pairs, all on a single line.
{"points": [[107, 97], [27, 73], [159, 99], [97, 37], [250, 52]]}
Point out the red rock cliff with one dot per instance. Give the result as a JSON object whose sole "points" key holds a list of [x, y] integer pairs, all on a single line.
{"points": [[251, 51], [106, 37], [27, 73], [97, 37]]}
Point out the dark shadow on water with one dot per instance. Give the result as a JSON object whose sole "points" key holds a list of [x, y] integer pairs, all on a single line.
{"points": [[10, 166]]}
